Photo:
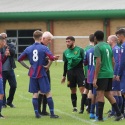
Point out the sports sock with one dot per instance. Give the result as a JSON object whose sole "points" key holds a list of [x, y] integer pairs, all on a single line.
{"points": [[96, 111], [35, 105], [83, 101], [1, 103], [44, 103], [40, 98], [117, 101], [92, 108], [51, 105], [74, 100], [122, 108], [115, 106], [89, 104], [100, 110], [120, 102]]}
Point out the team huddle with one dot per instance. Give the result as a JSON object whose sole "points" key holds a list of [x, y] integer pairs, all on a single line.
{"points": [[98, 70]]}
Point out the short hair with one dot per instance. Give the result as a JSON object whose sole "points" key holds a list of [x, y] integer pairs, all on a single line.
{"points": [[37, 34], [99, 35], [120, 32], [113, 38], [1, 37], [91, 37], [47, 34], [71, 38]]}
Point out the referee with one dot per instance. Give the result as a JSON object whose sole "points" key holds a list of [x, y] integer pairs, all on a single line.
{"points": [[73, 67]]}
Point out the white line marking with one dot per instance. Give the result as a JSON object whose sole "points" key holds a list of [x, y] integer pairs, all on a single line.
{"points": [[67, 114]]}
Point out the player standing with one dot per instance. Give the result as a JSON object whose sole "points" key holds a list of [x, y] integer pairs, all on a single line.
{"points": [[73, 67], [36, 55], [103, 75]]}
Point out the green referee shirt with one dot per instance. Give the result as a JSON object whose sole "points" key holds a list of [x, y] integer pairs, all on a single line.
{"points": [[73, 57]]}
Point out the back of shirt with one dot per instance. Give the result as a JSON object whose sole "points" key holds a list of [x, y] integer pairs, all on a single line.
{"points": [[85, 67], [116, 55], [104, 51], [89, 61], [36, 55]]}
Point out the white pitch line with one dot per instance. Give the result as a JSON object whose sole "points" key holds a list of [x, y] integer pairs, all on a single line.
{"points": [[75, 117], [67, 114]]}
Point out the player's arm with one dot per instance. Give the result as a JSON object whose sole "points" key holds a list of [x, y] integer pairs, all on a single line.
{"points": [[6, 54], [85, 61], [64, 69], [24, 65], [97, 56], [48, 65], [50, 55], [122, 63]]}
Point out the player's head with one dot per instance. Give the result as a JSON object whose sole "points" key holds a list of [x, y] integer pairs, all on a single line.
{"points": [[70, 40], [4, 35], [112, 40], [91, 38], [121, 35], [37, 35], [47, 38], [98, 36], [2, 41]]}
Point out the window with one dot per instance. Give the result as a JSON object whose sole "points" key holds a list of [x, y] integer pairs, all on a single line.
{"points": [[21, 39]]}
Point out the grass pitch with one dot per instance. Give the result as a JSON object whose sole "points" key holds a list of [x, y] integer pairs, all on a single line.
{"points": [[23, 114]]}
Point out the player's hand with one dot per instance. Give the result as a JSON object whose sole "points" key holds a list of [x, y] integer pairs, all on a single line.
{"points": [[94, 83], [7, 52], [63, 79], [114, 77], [46, 67], [56, 57], [118, 78]]}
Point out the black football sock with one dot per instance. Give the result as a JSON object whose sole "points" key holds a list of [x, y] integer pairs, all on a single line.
{"points": [[115, 106], [40, 98], [89, 104], [100, 110], [44, 103], [83, 101], [74, 100]]}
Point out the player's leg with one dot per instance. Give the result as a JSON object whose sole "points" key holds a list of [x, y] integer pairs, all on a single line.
{"points": [[4, 75], [44, 112], [122, 88], [84, 99], [73, 97], [72, 85], [45, 89], [102, 85], [120, 100], [1, 97], [40, 99], [13, 85], [80, 80], [112, 100], [34, 88]]}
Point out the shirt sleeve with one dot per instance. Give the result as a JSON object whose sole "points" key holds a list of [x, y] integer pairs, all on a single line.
{"points": [[22, 56], [116, 58], [122, 61], [97, 52]]}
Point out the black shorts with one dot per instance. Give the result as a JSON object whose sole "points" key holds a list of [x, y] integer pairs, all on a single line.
{"points": [[104, 84], [88, 85], [75, 77]]}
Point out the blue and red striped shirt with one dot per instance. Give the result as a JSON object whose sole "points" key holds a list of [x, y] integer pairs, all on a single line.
{"points": [[36, 55]]}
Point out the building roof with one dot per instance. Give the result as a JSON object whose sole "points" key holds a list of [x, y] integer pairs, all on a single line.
{"points": [[60, 9]]}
